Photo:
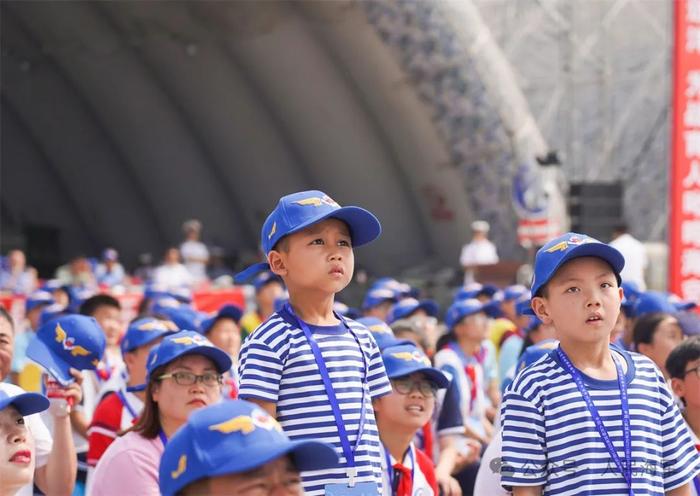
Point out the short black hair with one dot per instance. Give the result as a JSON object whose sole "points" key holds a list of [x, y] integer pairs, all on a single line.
{"points": [[645, 327], [681, 355], [90, 306]]}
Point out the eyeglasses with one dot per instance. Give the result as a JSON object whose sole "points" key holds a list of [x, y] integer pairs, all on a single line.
{"points": [[209, 379], [406, 386], [696, 370]]}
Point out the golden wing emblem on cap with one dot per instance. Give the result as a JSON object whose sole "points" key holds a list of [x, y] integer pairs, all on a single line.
{"points": [[79, 351], [181, 467], [403, 355], [242, 423], [381, 329], [558, 247], [60, 334], [313, 201], [152, 326], [273, 230]]}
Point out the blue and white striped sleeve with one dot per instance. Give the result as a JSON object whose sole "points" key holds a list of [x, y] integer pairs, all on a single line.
{"points": [[523, 459], [377, 379], [680, 457], [260, 369]]}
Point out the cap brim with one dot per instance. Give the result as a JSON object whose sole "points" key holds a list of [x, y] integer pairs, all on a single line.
{"points": [[433, 374], [364, 226], [27, 403], [41, 354], [307, 455]]}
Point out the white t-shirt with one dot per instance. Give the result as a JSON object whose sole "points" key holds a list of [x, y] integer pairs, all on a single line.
{"points": [[488, 478], [477, 252], [172, 276], [635, 259], [192, 252], [43, 442]]}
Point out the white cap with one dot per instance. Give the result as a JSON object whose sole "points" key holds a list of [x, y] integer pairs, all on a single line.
{"points": [[480, 226]]}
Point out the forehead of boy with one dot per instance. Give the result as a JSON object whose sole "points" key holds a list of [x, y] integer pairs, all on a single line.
{"points": [[578, 269]]}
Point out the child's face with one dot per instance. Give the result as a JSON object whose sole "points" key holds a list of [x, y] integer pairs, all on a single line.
{"points": [[688, 387], [226, 335], [318, 258], [582, 302], [410, 404], [110, 320], [668, 335], [279, 476], [473, 327]]}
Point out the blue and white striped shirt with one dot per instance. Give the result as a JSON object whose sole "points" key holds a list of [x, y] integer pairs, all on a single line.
{"points": [[277, 365], [549, 437]]}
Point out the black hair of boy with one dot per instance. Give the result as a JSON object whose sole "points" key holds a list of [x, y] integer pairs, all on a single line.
{"points": [[90, 306], [686, 352]]}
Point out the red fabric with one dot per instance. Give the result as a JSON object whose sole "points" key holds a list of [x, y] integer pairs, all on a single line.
{"points": [[428, 468], [428, 439], [471, 373], [107, 416], [405, 487]]}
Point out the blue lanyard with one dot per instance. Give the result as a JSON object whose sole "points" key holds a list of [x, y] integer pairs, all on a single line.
{"points": [[163, 437], [390, 467], [332, 399], [626, 471], [125, 402], [696, 483]]}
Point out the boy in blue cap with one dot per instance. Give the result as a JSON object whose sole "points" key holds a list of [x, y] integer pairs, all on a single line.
{"points": [[314, 370], [235, 448], [588, 418]]}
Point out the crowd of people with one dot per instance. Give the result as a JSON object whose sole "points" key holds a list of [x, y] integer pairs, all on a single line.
{"points": [[583, 383]]}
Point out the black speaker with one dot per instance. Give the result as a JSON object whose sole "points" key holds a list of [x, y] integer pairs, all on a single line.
{"points": [[596, 208]]}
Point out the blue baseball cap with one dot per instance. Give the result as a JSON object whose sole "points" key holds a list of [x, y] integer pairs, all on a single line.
{"points": [[406, 359], [264, 278], [535, 352], [37, 298], [524, 307], [381, 332], [515, 292], [474, 290], [233, 312], [400, 289], [377, 296], [407, 306], [69, 341], [182, 343], [182, 294], [230, 438], [532, 324], [461, 309], [300, 210], [143, 331], [25, 403], [680, 304], [51, 313], [566, 247], [652, 302], [185, 317]]}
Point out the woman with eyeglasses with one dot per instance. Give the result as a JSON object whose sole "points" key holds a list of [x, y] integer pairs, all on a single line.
{"points": [[184, 373]]}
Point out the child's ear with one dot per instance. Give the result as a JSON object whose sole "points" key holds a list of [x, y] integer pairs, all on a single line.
{"points": [[277, 263], [541, 309], [678, 387]]}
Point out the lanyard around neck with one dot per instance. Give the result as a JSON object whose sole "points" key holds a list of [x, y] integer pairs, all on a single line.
{"points": [[625, 470], [390, 467], [348, 451], [125, 402]]}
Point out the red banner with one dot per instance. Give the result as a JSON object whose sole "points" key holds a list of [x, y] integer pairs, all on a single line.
{"points": [[684, 227]]}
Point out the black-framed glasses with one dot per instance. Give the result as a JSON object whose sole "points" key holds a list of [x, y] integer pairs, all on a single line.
{"points": [[696, 370], [406, 386], [209, 379]]}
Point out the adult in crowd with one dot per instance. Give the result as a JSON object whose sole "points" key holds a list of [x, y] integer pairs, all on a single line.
{"points": [[110, 272], [635, 255], [171, 274], [183, 374], [479, 251], [15, 276], [194, 252]]}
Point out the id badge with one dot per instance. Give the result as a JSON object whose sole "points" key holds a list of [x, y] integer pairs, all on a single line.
{"points": [[360, 489]]}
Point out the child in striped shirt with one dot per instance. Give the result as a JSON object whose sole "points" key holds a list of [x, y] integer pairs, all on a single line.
{"points": [[590, 418], [313, 370]]}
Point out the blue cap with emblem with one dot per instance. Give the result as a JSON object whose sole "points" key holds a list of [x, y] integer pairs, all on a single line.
{"points": [[407, 306], [232, 312], [230, 438], [144, 331], [461, 309], [406, 359], [300, 210], [381, 332], [183, 343], [566, 247], [70, 341]]}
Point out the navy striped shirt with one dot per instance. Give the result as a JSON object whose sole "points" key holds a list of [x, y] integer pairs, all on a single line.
{"points": [[277, 365], [549, 437]]}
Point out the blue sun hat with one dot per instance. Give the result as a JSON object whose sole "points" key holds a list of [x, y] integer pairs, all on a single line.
{"points": [[37, 298], [377, 296], [185, 317], [406, 359], [233, 312], [652, 302], [461, 309], [144, 331], [407, 306], [566, 247], [25, 403], [300, 210], [233, 437], [183, 343], [69, 341], [381, 332]]}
